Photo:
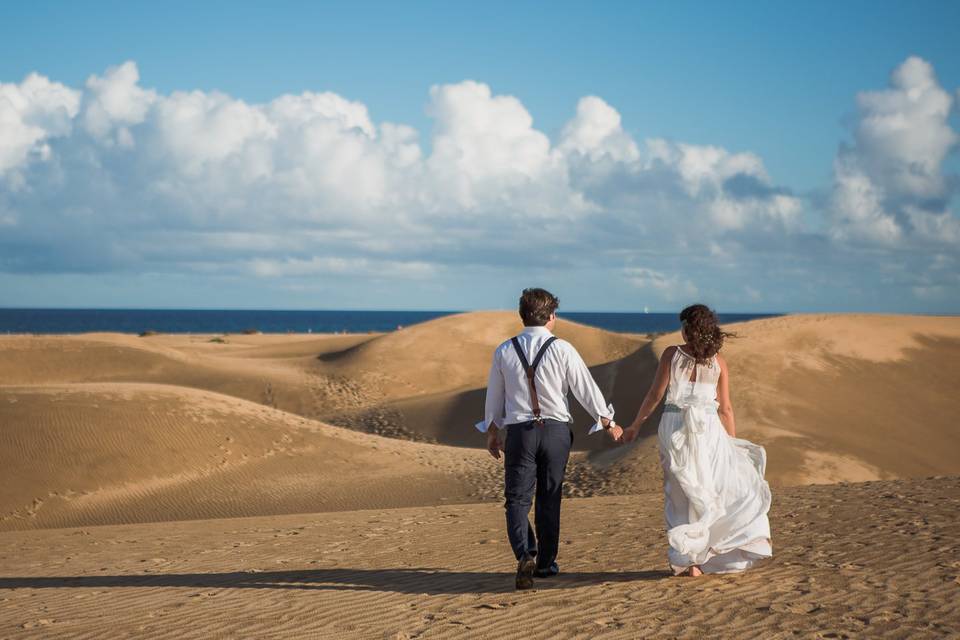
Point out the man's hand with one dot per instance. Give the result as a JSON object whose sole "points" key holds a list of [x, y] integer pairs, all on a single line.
{"points": [[615, 432], [494, 446]]}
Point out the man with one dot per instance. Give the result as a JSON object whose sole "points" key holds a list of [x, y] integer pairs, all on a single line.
{"points": [[527, 398]]}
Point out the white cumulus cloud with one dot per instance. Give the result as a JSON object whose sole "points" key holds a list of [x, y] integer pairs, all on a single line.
{"points": [[890, 187], [117, 177], [31, 113], [595, 131], [114, 102]]}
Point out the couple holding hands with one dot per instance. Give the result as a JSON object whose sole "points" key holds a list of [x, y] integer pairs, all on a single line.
{"points": [[716, 498]]}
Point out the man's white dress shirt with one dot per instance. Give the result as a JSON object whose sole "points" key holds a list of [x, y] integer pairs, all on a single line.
{"points": [[561, 369]]}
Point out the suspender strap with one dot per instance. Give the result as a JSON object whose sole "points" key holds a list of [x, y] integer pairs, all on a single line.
{"points": [[531, 371]]}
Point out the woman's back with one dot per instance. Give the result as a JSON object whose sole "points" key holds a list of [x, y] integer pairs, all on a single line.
{"points": [[716, 500], [690, 382]]}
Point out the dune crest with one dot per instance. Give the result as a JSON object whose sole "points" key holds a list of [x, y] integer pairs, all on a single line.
{"points": [[454, 352], [109, 428]]}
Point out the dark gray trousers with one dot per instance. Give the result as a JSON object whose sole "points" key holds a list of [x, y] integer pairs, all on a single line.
{"points": [[535, 460]]}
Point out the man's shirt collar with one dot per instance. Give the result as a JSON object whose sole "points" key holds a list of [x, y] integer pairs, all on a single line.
{"points": [[536, 331]]}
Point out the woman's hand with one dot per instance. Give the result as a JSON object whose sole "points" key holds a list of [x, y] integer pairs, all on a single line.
{"points": [[630, 433]]}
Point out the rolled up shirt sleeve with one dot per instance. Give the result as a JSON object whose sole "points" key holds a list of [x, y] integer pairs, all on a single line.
{"points": [[494, 409], [586, 391]]}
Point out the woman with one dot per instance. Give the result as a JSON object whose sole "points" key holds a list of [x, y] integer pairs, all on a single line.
{"points": [[716, 497]]}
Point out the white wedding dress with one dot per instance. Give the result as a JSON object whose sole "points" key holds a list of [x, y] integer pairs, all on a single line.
{"points": [[716, 498]]}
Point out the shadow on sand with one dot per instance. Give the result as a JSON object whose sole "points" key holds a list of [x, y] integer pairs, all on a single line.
{"points": [[411, 581]]}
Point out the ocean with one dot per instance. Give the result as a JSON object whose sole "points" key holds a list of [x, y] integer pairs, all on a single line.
{"points": [[50, 321]]}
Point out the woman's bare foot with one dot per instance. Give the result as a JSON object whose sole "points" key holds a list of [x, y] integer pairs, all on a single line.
{"points": [[695, 572]]}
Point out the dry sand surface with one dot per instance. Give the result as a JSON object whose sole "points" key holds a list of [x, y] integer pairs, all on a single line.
{"points": [[299, 433], [424, 382], [98, 423], [873, 560], [104, 453], [101, 453]]}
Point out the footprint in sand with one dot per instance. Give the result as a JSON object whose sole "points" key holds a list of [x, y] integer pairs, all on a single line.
{"points": [[42, 622], [796, 607]]}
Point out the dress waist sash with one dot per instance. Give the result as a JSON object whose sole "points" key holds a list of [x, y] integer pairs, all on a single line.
{"points": [[669, 407]]}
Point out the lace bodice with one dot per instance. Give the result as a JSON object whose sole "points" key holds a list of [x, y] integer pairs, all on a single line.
{"points": [[703, 390]]}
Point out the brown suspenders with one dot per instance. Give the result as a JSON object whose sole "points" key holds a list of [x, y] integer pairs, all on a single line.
{"points": [[531, 371]]}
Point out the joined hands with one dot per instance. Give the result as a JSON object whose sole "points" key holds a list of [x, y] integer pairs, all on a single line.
{"points": [[616, 433]]}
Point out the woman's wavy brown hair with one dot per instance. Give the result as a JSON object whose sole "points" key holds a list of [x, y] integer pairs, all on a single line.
{"points": [[703, 333]]}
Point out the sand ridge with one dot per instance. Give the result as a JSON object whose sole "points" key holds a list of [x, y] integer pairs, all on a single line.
{"points": [[108, 428], [101, 453], [400, 384]]}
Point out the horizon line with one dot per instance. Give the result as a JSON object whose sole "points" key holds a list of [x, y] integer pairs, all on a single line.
{"points": [[391, 310]]}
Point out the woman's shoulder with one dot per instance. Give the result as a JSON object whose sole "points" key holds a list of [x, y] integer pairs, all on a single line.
{"points": [[669, 352], [721, 362]]}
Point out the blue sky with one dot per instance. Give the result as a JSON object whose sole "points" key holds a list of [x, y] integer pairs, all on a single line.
{"points": [[774, 86]]}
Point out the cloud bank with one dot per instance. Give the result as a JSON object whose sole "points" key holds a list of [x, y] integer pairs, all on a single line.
{"points": [[889, 185], [116, 178]]}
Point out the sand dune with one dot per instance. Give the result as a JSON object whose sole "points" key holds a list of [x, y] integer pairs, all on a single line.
{"points": [[874, 560], [96, 453], [848, 397], [454, 352], [105, 453], [259, 368], [429, 380], [106, 428], [832, 397], [423, 382], [179, 434]]}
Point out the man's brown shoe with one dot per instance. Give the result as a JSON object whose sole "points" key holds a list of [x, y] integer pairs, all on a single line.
{"points": [[525, 569]]}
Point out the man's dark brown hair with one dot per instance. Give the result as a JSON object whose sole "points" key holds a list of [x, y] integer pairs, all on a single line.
{"points": [[536, 307]]}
